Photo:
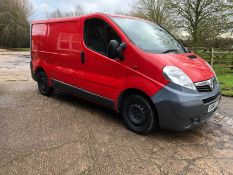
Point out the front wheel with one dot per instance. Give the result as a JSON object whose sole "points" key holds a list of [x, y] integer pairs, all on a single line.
{"points": [[43, 84], [138, 114]]}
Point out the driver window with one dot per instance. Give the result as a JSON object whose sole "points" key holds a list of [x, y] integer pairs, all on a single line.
{"points": [[97, 35]]}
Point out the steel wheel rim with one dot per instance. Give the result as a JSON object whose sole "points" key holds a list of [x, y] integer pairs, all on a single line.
{"points": [[137, 114]]}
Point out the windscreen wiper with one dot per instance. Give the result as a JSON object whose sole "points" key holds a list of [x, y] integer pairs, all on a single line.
{"points": [[171, 50]]}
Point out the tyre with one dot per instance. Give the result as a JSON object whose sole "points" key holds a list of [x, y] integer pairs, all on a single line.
{"points": [[138, 114], [43, 84]]}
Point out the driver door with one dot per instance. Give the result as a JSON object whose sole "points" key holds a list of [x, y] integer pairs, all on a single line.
{"points": [[101, 75]]}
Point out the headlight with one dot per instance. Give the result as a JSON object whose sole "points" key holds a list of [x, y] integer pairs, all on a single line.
{"points": [[177, 76]]}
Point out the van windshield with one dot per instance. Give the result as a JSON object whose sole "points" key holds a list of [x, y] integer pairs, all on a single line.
{"points": [[149, 36]]}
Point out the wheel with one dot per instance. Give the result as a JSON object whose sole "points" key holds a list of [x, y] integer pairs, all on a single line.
{"points": [[43, 85], [138, 114]]}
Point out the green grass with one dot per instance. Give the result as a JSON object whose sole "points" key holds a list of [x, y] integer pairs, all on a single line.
{"points": [[19, 49], [225, 77]]}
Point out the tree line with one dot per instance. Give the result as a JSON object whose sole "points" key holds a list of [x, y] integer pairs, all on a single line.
{"points": [[196, 22], [14, 23], [204, 21]]}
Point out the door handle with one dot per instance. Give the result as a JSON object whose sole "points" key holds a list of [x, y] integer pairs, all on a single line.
{"points": [[82, 57]]}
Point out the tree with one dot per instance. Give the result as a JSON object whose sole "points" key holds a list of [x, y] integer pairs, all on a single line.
{"points": [[229, 5], [155, 11], [14, 24], [202, 19], [59, 14]]}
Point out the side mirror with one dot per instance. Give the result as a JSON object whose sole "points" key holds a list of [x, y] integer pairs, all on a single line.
{"points": [[120, 50], [112, 49], [115, 50]]}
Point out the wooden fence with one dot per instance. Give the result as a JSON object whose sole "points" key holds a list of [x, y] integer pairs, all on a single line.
{"points": [[216, 55]]}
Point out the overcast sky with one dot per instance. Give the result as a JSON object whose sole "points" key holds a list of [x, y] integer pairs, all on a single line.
{"points": [[42, 7]]}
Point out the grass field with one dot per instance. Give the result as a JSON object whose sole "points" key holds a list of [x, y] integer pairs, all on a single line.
{"points": [[20, 49], [225, 77]]}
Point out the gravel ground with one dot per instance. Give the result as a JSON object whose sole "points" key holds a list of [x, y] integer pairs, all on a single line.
{"points": [[63, 134]]}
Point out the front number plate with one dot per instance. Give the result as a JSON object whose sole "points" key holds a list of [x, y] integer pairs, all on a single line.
{"points": [[213, 106]]}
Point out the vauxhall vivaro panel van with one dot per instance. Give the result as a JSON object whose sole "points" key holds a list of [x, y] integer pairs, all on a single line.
{"points": [[127, 64]]}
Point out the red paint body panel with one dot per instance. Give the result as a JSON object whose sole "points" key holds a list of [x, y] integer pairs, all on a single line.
{"points": [[196, 68], [57, 45]]}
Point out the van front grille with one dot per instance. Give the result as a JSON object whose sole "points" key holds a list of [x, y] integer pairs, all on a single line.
{"points": [[206, 86]]}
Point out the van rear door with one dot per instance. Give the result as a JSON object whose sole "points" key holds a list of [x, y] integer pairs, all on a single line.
{"points": [[38, 43]]}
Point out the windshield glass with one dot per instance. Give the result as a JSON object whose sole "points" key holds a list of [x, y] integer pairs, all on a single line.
{"points": [[149, 36]]}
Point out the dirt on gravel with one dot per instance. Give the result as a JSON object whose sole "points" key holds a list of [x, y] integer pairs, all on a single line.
{"points": [[63, 134]]}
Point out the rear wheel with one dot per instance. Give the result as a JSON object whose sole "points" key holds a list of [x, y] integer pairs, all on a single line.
{"points": [[138, 114], [43, 84]]}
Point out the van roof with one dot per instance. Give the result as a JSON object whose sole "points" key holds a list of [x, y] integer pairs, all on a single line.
{"points": [[76, 17]]}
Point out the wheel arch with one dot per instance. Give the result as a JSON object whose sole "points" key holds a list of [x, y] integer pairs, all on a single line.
{"points": [[37, 70]]}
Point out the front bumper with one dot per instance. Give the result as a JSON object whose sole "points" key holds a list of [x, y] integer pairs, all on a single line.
{"points": [[181, 109]]}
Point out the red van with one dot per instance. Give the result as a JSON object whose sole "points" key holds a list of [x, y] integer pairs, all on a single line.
{"points": [[127, 64]]}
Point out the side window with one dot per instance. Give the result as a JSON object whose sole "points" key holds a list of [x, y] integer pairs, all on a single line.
{"points": [[112, 35], [97, 35]]}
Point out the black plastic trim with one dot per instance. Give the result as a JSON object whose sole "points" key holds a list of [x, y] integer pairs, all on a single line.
{"points": [[192, 56], [83, 93], [32, 73], [210, 99]]}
